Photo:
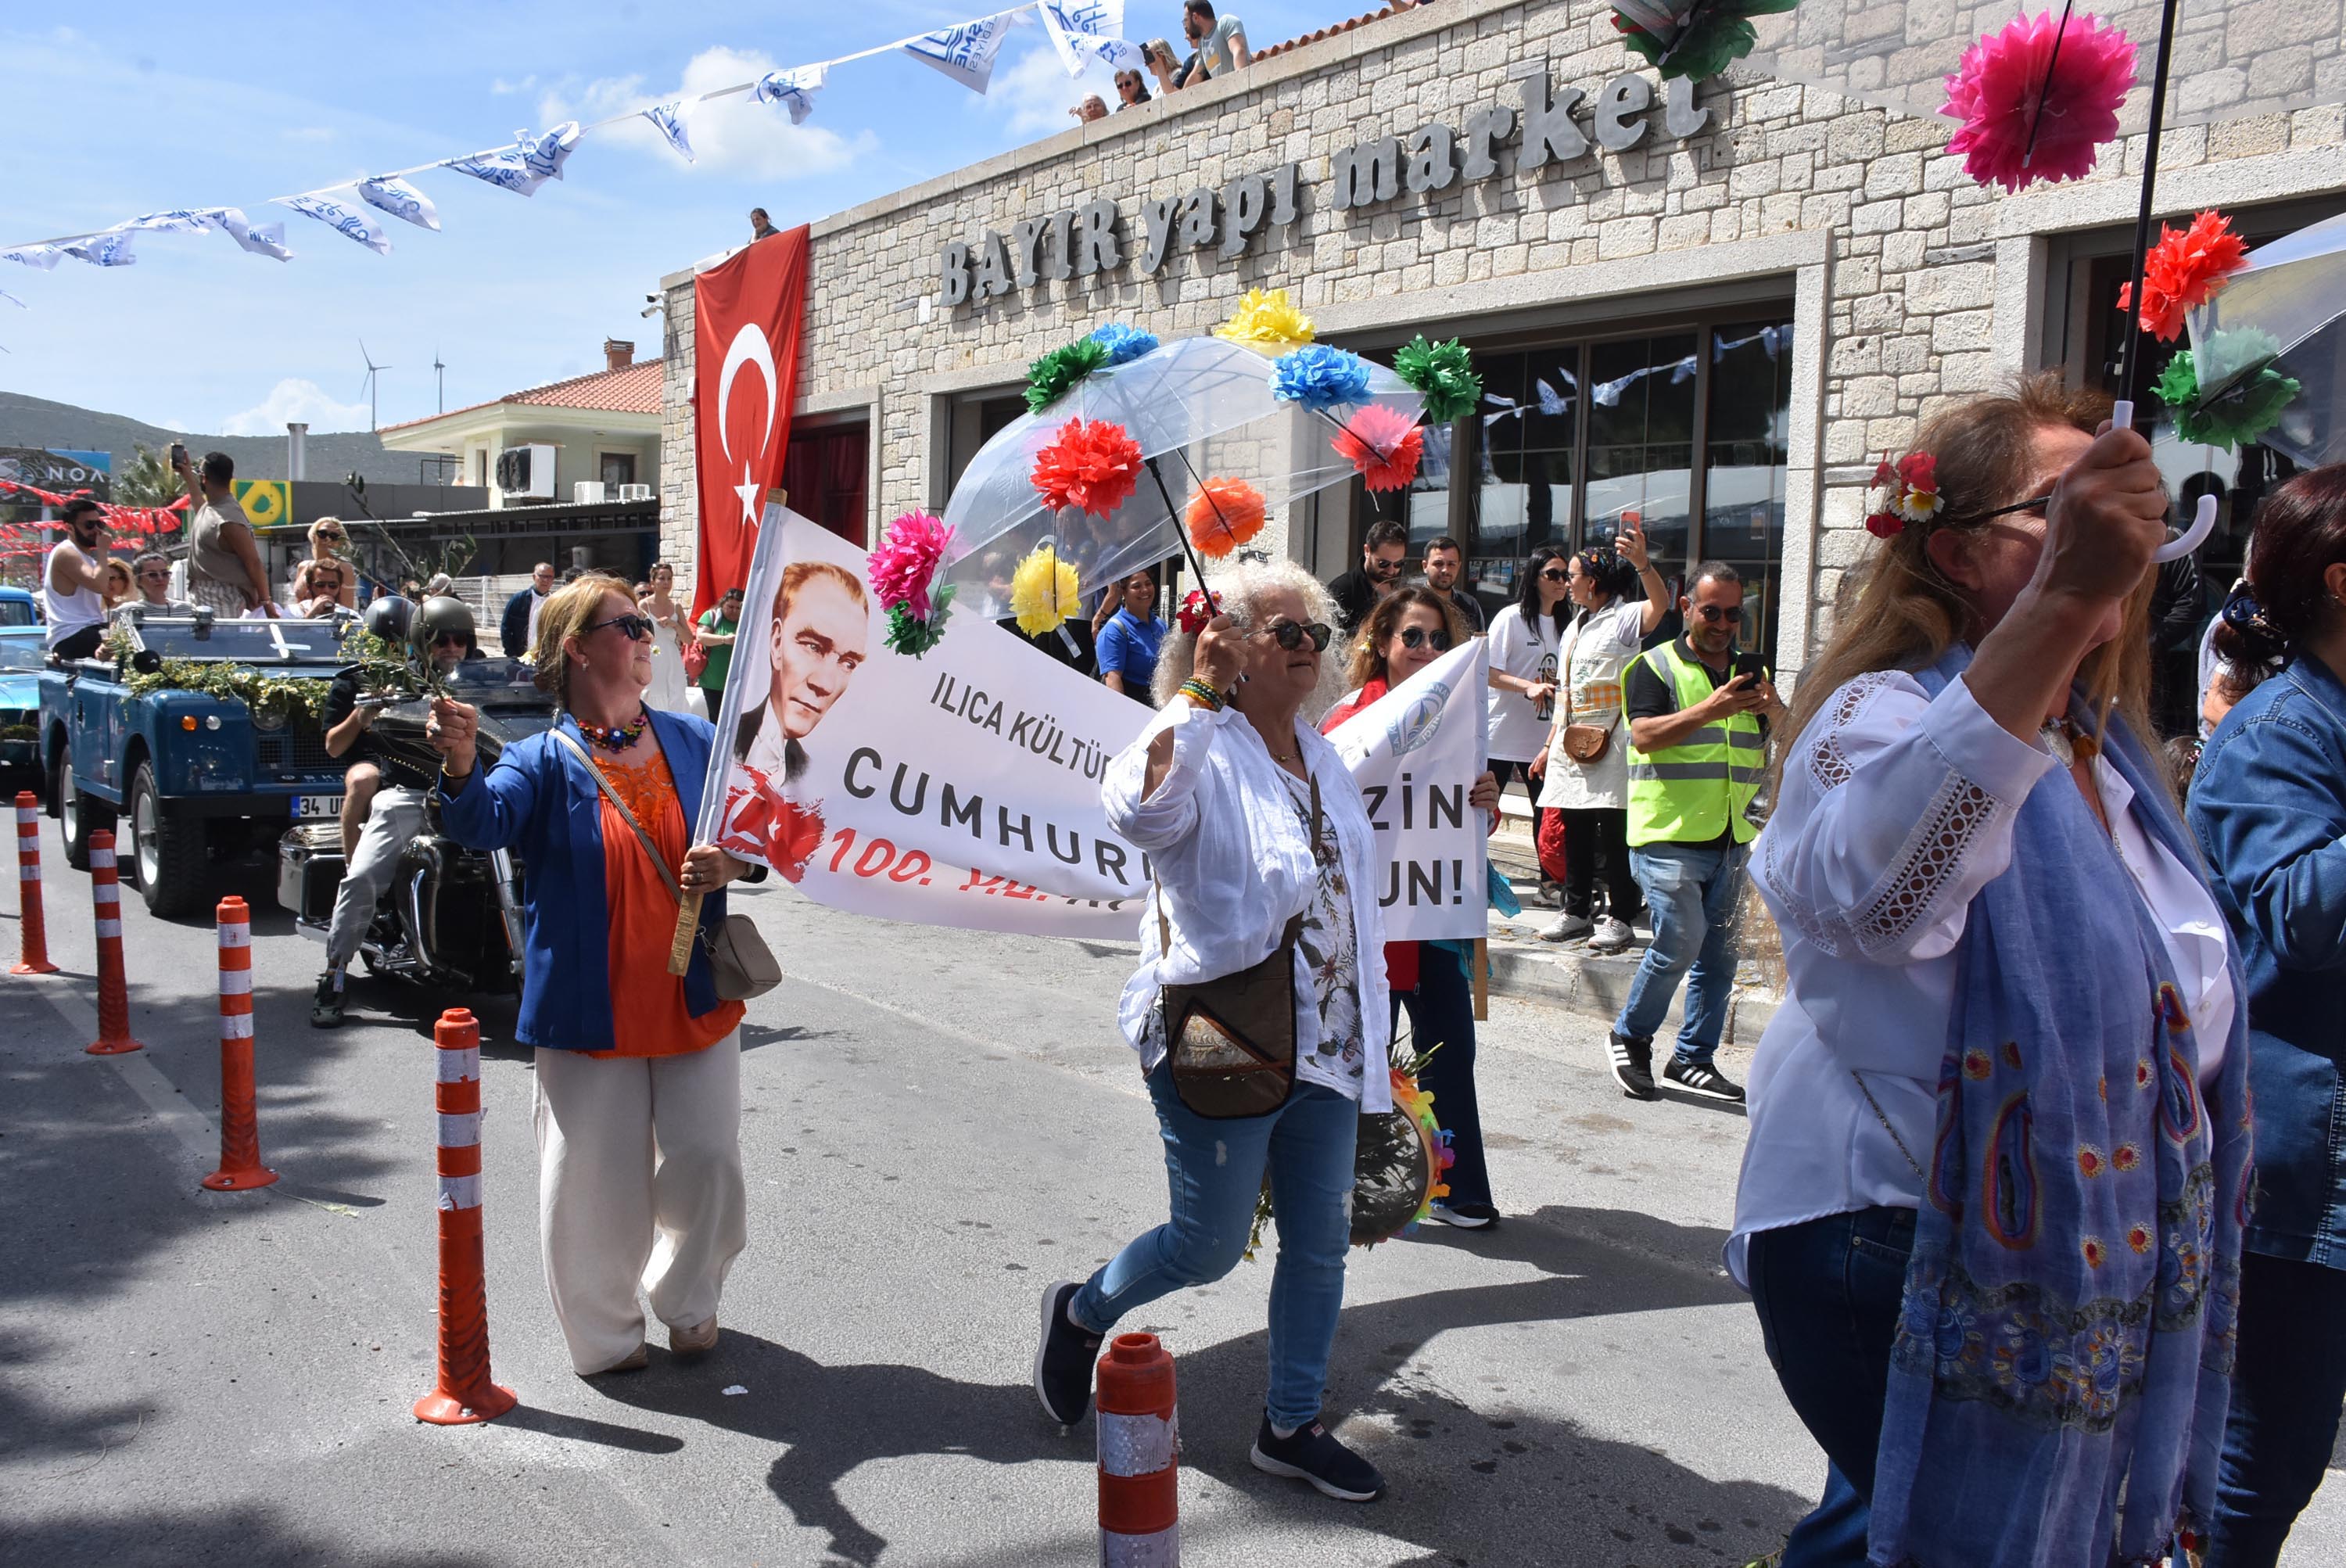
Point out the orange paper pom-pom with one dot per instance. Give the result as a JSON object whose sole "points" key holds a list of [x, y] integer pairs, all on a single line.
{"points": [[1092, 465], [1383, 445], [1224, 515], [2183, 270]]}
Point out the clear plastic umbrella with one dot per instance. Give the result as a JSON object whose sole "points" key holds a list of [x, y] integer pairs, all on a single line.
{"points": [[2276, 321], [1200, 409]]}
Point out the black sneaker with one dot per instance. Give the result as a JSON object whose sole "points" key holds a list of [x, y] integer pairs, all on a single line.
{"points": [[1701, 1078], [1312, 1455], [326, 1010], [1633, 1066], [1064, 1360]]}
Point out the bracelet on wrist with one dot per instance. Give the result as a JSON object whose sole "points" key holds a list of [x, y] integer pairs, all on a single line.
{"points": [[1199, 692], [454, 777]]}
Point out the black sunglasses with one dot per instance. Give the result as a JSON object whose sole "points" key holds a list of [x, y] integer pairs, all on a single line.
{"points": [[1418, 637], [1290, 635], [1731, 614], [1382, 567], [450, 639], [639, 628], [1554, 575]]}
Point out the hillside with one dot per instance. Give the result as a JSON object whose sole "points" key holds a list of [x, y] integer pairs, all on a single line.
{"points": [[36, 422]]}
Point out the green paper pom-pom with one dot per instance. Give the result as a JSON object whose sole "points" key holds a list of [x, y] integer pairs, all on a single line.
{"points": [[1443, 374], [909, 635], [1048, 378], [1715, 37], [2239, 415]]}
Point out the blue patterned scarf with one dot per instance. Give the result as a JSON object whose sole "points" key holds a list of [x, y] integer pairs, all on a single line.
{"points": [[2067, 1332]]}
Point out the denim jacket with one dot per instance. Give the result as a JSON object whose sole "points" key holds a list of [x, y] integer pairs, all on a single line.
{"points": [[2268, 806]]}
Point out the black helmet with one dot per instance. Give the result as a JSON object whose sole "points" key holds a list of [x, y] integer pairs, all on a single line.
{"points": [[436, 617], [388, 619]]}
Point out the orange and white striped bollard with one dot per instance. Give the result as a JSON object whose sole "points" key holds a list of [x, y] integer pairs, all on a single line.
{"points": [[1139, 1455], [239, 1168], [32, 927], [464, 1391], [113, 989]]}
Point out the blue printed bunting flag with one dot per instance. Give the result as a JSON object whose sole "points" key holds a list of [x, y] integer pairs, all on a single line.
{"points": [[400, 199], [348, 221]]}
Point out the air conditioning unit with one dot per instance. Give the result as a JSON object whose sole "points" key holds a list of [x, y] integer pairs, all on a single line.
{"points": [[587, 493], [635, 492], [526, 472]]}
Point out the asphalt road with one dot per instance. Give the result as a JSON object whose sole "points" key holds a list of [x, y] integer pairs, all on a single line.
{"points": [[936, 1124]]}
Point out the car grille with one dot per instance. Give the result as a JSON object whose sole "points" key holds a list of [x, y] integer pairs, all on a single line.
{"points": [[290, 751]]}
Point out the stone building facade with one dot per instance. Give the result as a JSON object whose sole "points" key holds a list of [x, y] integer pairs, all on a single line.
{"points": [[1587, 230]]}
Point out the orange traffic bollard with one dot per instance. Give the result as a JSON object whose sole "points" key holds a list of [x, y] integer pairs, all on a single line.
{"points": [[113, 991], [465, 1392], [32, 930], [240, 1167], [1139, 1455]]}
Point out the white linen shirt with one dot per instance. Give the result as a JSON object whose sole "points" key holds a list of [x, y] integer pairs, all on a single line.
{"points": [[1233, 866], [1855, 865]]}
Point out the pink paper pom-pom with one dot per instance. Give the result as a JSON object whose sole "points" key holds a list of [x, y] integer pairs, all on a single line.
{"points": [[906, 561], [1995, 95]]}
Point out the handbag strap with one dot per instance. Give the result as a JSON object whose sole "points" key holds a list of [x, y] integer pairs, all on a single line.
{"points": [[613, 796]]}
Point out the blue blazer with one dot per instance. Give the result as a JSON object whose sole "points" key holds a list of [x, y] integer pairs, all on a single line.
{"points": [[2268, 806], [540, 799]]}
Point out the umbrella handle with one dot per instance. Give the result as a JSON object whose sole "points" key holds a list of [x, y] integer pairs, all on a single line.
{"points": [[2202, 525]]}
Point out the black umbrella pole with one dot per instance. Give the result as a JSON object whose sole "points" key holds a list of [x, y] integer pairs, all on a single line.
{"points": [[2129, 356], [1179, 529]]}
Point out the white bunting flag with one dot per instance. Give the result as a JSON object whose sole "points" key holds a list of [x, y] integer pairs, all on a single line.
{"points": [[178, 220], [111, 249], [794, 89], [533, 161], [670, 119], [965, 53], [400, 199], [42, 256], [1086, 30], [14, 300], [267, 239], [349, 222]]}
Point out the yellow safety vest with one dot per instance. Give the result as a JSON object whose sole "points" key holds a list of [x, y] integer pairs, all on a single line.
{"points": [[1692, 793]]}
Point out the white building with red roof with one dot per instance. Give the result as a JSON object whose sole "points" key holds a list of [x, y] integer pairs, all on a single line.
{"points": [[603, 429]]}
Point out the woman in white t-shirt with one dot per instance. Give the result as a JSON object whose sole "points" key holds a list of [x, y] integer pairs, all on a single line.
{"points": [[1594, 796], [1524, 640]]}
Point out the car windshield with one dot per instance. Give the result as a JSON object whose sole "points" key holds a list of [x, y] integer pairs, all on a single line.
{"points": [[246, 642], [21, 653]]}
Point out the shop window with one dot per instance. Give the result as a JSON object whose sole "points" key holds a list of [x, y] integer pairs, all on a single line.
{"points": [[1745, 457], [824, 474]]}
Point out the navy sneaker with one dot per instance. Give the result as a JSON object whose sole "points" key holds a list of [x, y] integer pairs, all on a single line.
{"points": [[1064, 1359], [1310, 1454]]}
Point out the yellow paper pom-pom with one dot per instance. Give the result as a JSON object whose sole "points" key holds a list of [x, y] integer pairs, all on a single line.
{"points": [[1265, 319], [1043, 591]]}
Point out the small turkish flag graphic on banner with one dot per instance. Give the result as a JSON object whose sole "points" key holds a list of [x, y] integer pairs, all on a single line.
{"points": [[746, 316]]}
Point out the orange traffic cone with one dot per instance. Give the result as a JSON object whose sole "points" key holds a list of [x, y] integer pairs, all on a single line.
{"points": [[1139, 1455], [240, 1167], [113, 991], [32, 928], [464, 1392]]}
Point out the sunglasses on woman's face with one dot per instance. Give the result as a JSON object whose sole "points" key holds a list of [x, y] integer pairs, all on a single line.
{"points": [[1290, 635], [639, 629], [1731, 614], [1552, 575], [1418, 637]]}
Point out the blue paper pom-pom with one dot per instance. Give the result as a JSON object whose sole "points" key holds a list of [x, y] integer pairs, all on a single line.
{"points": [[1123, 343], [1320, 377]]}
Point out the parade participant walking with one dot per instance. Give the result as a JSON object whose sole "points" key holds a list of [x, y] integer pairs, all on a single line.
{"points": [[1584, 769], [224, 571], [638, 1108], [1265, 918], [2009, 986], [672, 632], [1430, 979], [1127, 645], [1698, 747], [715, 631], [2268, 806], [1445, 564], [73, 583], [1522, 702]]}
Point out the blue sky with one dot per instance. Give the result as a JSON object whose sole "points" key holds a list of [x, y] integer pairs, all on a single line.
{"points": [[145, 107]]}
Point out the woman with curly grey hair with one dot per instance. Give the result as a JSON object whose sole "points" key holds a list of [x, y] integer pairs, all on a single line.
{"points": [[1259, 1010]]}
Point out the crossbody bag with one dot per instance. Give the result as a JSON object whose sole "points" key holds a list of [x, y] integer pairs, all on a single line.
{"points": [[1584, 743], [739, 962]]}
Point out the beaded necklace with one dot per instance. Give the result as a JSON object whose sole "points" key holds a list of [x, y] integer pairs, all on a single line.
{"points": [[617, 737]]}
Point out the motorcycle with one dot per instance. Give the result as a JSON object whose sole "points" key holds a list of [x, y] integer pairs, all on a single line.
{"points": [[451, 918]]}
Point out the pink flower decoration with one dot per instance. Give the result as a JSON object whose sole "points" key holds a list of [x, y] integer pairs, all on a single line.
{"points": [[1995, 95], [1383, 445], [905, 564]]}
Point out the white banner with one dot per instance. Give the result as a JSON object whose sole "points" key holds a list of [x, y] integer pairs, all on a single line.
{"points": [[965, 53], [793, 89], [348, 221], [1415, 753], [670, 118], [1086, 30], [402, 200]]}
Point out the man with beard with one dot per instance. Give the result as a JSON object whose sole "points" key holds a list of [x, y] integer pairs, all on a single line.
{"points": [[73, 583]]}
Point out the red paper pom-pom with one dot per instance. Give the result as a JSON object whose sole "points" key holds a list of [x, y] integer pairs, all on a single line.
{"points": [[1092, 466], [2183, 270], [1996, 95], [1383, 445], [1224, 515]]}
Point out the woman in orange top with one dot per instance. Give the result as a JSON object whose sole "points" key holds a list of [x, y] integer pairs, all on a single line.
{"points": [[638, 1104]]}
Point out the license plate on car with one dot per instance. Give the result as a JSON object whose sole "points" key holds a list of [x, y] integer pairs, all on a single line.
{"points": [[317, 805]]}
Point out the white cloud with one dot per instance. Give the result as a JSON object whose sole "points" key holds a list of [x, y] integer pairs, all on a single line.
{"points": [[294, 399], [736, 135], [1035, 91]]}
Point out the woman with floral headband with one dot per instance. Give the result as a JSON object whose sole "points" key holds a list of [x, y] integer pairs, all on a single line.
{"points": [[1991, 1200]]}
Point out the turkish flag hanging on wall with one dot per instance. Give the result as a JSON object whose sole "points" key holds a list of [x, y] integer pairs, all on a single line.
{"points": [[746, 316]]}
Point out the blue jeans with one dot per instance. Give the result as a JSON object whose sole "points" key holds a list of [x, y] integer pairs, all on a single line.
{"points": [[1442, 1012], [2288, 1384], [1691, 891], [1214, 1169], [1828, 1291]]}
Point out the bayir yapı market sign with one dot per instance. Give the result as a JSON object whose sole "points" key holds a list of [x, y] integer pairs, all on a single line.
{"points": [[1094, 237]]}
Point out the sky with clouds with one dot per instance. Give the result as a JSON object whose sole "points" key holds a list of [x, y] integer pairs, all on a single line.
{"points": [[150, 106]]}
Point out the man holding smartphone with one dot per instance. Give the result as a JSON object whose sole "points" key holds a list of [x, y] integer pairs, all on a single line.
{"points": [[1699, 715], [224, 571]]}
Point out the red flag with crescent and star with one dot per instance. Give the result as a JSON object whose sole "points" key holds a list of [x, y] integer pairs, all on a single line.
{"points": [[746, 320]]}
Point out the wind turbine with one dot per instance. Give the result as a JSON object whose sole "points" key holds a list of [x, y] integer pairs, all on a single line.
{"points": [[441, 372], [369, 387]]}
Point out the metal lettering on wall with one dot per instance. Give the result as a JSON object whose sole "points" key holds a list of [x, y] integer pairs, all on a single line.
{"points": [[1082, 241]]}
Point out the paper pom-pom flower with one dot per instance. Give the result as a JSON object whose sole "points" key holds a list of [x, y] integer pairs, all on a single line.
{"points": [[1043, 591], [1384, 446], [1320, 377], [1996, 95], [902, 570], [1443, 375], [1048, 378], [1198, 607], [1092, 466], [1224, 515], [916, 635], [2236, 416], [1266, 320], [1124, 344], [1698, 46], [2183, 270]]}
